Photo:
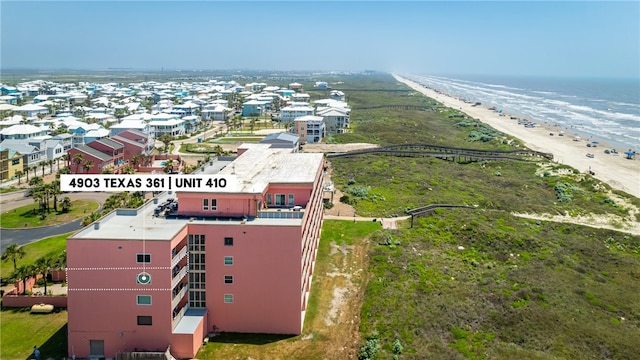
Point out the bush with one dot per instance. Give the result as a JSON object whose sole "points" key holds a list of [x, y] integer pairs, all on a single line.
{"points": [[328, 205], [397, 347], [370, 348]]}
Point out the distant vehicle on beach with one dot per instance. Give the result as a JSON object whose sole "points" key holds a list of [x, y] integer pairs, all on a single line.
{"points": [[590, 155]]}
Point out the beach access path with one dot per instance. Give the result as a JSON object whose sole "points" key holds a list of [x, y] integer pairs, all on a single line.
{"points": [[615, 170]]}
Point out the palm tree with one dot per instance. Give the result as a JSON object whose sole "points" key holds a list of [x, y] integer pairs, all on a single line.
{"points": [[66, 204], [43, 267], [26, 171], [128, 170], [64, 157], [168, 166], [13, 253], [50, 163], [55, 191], [23, 273], [166, 140], [19, 175], [77, 159], [218, 150], [87, 165], [43, 164]]}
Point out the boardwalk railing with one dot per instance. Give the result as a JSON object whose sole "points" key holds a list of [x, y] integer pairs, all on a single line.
{"points": [[432, 207], [444, 152]]}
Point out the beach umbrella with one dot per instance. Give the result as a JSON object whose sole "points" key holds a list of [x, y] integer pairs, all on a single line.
{"points": [[629, 154]]}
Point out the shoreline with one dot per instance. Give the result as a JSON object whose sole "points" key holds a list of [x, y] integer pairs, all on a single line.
{"points": [[617, 171]]}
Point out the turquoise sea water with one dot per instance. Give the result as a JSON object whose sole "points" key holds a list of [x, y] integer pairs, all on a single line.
{"points": [[607, 110]]}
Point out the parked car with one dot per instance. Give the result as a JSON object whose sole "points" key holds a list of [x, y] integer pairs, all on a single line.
{"points": [[590, 155]]}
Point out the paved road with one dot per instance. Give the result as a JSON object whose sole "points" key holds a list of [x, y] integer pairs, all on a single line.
{"points": [[24, 236]]}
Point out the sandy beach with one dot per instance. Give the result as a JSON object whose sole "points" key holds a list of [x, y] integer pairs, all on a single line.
{"points": [[615, 170]]}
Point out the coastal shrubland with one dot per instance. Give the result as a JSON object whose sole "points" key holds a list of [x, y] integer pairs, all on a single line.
{"points": [[487, 282]]}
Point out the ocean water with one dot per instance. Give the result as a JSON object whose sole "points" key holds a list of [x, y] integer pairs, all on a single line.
{"points": [[606, 110]]}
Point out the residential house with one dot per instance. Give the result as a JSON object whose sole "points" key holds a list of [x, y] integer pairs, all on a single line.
{"points": [[22, 131], [114, 149], [141, 138], [31, 110], [253, 108], [336, 119], [130, 124], [10, 163], [93, 161], [216, 112], [66, 139], [31, 155], [336, 95], [295, 110], [302, 98], [310, 128], [232, 259], [161, 124], [282, 141]]}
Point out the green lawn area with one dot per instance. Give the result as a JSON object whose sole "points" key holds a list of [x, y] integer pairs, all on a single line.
{"points": [[10, 189], [25, 216], [21, 330], [51, 246]]}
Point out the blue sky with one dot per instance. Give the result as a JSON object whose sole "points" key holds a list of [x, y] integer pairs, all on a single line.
{"points": [[544, 38]]}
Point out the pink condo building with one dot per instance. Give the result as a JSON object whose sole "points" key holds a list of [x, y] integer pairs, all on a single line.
{"points": [[235, 259]]}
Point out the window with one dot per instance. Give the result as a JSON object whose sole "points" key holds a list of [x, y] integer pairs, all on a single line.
{"points": [[144, 320], [143, 300], [269, 200], [228, 260], [143, 258], [280, 200], [228, 298], [228, 279], [205, 204], [214, 204], [291, 199], [228, 241]]}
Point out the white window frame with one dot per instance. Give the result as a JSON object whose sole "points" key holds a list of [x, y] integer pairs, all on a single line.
{"points": [[228, 279], [144, 296], [205, 204], [291, 199], [283, 202], [228, 298], [228, 258], [214, 204]]}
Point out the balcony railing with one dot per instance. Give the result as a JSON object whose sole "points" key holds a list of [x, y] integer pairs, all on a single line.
{"points": [[176, 259], [176, 299], [181, 274], [285, 213]]}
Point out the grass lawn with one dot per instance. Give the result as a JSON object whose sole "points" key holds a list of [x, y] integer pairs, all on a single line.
{"points": [[22, 330], [331, 321], [26, 216], [52, 246], [9, 189]]}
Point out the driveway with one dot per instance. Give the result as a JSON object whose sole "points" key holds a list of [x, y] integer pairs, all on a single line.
{"points": [[24, 236]]}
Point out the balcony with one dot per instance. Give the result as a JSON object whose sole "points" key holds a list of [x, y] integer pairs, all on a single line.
{"points": [[179, 256], [176, 299], [179, 276]]}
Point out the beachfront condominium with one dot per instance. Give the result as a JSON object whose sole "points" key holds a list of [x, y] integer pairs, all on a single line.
{"points": [[234, 259]]}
